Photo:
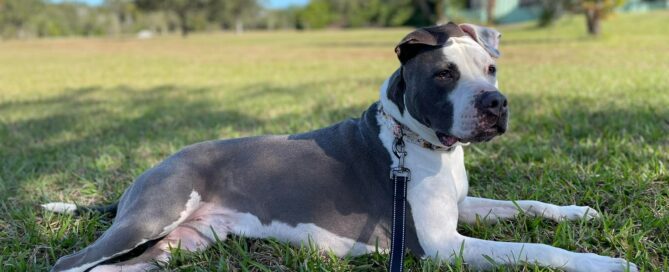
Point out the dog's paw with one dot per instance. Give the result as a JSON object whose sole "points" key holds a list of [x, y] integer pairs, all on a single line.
{"points": [[577, 212], [593, 262]]}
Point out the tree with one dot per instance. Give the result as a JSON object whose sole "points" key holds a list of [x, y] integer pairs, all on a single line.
{"points": [[15, 14], [395, 12], [551, 10], [184, 10], [124, 14], [316, 14], [594, 11], [355, 13], [233, 12], [433, 10]]}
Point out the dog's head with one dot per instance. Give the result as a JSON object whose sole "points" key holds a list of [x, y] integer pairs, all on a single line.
{"points": [[446, 89]]}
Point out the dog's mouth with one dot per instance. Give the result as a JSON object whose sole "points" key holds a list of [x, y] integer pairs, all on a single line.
{"points": [[447, 140], [482, 136]]}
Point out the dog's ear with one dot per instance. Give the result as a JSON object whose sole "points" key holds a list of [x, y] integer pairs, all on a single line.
{"points": [[396, 88], [486, 37], [423, 38]]}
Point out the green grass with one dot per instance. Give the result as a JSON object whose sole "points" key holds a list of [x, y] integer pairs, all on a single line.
{"points": [[80, 118]]}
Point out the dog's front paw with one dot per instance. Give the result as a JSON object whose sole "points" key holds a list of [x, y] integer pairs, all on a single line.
{"points": [[593, 262], [574, 212]]}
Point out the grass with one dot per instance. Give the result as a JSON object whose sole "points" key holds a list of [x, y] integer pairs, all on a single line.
{"points": [[80, 118]]}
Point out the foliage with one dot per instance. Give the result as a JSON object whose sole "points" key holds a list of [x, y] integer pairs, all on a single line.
{"points": [[551, 10], [605, 7], [41, 18], [81, 118], [233, 12], [317, 14], [187, 11], [594, 11], [16, 14], [355, 13]]}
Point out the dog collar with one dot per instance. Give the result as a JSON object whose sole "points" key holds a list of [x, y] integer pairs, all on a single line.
{"points": [[402, 131]]}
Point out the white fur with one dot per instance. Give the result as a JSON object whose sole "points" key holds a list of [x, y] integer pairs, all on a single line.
{"points": [[215, 222], [248, 225], [491, 211], [472, 62], [193, 203], [60, 207]]}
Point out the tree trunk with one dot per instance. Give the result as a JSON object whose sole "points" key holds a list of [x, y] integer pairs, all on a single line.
{"points": [[490, 12], [239, 25], [440, 11], [183, 23], [593, 21], [21, 33]]}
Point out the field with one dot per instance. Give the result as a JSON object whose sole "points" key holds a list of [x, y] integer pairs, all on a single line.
{"points": [[80, 118]]}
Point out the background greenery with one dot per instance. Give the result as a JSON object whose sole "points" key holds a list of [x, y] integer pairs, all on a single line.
{"points": [[45, 18], [80, 118], [24, 19]]}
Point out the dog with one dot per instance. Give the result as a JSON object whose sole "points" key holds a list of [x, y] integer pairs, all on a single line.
{"points": [[331, 186]]}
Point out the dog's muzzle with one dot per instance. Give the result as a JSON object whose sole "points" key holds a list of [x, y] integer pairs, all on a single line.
{"points": [[493, 115]]}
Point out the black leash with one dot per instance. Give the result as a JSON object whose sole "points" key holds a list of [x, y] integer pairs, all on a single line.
{"points": [[399, 176]]}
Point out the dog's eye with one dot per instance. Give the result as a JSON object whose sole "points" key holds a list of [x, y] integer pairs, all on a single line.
{"points": [[492, 70], [445, 75]]}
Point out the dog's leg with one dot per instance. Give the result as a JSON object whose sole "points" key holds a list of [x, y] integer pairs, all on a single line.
{"points": [[491, 211], [191, 236], [147, 261], [120, 238], [440, 239], [204, 226], [141, 218], [483, 254]]}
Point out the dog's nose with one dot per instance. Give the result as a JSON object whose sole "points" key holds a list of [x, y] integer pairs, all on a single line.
{"points": [[492, 102]]}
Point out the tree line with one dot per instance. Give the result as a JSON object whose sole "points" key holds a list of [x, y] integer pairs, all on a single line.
{"points": [[44, 18]]}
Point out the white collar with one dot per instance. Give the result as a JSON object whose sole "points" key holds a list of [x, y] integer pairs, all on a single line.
{"points": [[401, 131]]}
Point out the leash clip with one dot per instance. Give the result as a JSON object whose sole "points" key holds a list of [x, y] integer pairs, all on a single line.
{"points": [[399, 149]]}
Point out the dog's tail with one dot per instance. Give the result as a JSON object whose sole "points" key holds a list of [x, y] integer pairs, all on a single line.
{"points": [[69, 208]]}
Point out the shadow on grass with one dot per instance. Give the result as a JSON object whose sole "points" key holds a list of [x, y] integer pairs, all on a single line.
{"points": [[80, 125], [69, 131], [81, 122], [64, 132]]}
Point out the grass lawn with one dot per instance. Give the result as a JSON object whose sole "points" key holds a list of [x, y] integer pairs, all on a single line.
{"points": [[80, 118]]}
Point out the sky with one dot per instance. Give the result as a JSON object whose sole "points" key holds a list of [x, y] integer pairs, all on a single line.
{"points": [[268, 3]]}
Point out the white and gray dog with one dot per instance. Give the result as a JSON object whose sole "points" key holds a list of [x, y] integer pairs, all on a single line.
{"points": [[331, 186]]}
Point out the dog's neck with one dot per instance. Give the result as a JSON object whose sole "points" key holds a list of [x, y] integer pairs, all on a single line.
{"points": [[401, 131], [406, 126]]}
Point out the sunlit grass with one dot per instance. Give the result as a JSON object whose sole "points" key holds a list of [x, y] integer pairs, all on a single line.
{"points": [[80, 118]]}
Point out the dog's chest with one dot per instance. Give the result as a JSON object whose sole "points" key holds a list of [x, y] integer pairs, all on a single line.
{"points": [[436, 175], [439, 183]]}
